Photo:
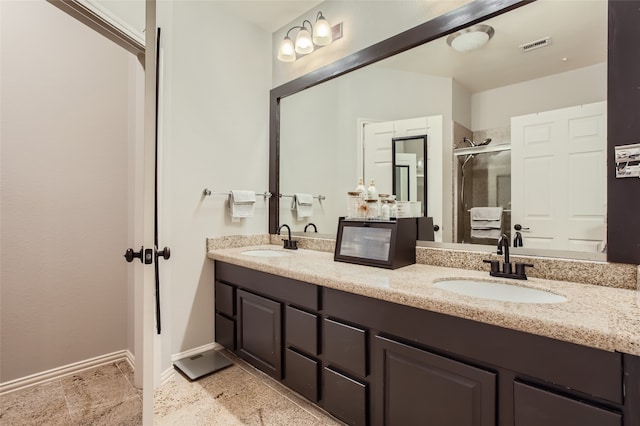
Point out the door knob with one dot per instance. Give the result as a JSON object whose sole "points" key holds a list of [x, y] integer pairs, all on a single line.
{"points": [[436, 228], [145, 256], [165, 253], [519, 227], [129, 255]]}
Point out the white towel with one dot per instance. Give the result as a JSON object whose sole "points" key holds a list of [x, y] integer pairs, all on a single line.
{"points": [[486, 222], [241, 203], [492, 234], [303, 205], [486, 213]]}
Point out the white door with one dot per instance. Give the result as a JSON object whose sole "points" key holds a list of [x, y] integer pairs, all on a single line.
{"points": [[377, 158], [142, 171], [377, 155], [558, 190]]}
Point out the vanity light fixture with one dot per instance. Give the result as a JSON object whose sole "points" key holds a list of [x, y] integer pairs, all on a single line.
{"points": [[471, 38], [308, 38]]}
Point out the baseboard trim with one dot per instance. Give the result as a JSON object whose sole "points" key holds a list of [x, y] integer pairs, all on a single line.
{"points": [[195, 351], [66, 370]]}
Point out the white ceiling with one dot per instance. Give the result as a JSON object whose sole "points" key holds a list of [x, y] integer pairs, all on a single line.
{"points": [[578, 30]]}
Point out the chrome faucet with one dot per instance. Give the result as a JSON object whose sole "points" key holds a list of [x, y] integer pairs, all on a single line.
{"points": [[311, 224], [289, 243], [507, 271]]}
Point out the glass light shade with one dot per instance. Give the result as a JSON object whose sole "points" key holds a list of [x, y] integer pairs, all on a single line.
{"points": [[304, 44], [470, 41], [286, 52], [322, 33]]}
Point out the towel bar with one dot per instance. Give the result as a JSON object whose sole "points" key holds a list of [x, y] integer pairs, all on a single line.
{"points": [[503, 211], [319, 197], [206, 192]]}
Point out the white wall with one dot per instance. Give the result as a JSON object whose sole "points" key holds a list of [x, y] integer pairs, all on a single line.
{"points": [[494, 108], [66, 126], [364, 24], [319, 139], [214, 134]]}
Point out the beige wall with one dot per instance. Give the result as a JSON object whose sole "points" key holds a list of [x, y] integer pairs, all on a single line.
{"points": [[214, 134], [64, 138]]}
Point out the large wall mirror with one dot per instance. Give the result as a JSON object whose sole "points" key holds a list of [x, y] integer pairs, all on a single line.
{"points": [[518, 125]]}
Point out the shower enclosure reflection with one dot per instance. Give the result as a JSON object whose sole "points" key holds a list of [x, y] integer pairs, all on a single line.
{"points": [[484, 180]]}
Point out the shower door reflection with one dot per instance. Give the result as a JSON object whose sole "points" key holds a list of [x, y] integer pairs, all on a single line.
{"points": [[484, 180]]}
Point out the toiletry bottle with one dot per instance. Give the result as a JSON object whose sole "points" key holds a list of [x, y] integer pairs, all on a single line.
{"points": [[360, 187], [372, 192], [385, 210]]}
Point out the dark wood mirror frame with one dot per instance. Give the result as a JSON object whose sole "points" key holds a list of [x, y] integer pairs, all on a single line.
{"points": [[623, 104]]}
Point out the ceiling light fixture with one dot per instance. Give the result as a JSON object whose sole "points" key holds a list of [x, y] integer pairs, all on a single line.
{"points": [[470, 38], [308, 38]]}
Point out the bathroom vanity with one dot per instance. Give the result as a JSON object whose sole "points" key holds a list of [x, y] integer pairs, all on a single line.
{"points": [[383, 347]]}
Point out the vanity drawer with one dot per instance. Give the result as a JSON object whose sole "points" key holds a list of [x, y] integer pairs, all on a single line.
{"points": [[302, 374], [534, 407], [301, 329], [345, 346], [345, 398], [226, 332], [273, 286], [225, 299]]}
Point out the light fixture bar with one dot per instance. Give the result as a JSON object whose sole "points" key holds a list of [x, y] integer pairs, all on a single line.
{"points": [[309, 38]]}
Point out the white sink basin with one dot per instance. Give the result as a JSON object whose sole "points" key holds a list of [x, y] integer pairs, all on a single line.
{"points": [[267, 253], [499, 291]]}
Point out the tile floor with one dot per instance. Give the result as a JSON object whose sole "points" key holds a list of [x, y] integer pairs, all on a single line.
{"points": [[101, 396], [238, 395]]}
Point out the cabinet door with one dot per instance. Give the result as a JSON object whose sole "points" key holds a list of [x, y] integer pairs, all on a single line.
{"points": [[537, 407], [415, 387], [259, 332]]}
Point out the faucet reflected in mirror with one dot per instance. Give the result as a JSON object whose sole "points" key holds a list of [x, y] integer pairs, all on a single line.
{"points": [[315, 229]]}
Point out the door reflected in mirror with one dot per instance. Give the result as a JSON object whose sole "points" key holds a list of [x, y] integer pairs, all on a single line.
{"points": [[409, 178]]}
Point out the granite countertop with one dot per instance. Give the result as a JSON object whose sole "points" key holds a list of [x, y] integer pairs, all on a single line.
{"points": [[596, 316]]}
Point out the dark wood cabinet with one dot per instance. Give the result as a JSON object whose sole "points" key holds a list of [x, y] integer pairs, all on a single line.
{"points": [[416, 387], [535, 407], [259, 332], [367, 361]]}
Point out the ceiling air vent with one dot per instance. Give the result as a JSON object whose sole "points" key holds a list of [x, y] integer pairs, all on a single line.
{"points": [[535, 44]]}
